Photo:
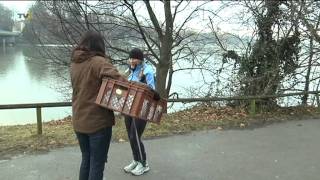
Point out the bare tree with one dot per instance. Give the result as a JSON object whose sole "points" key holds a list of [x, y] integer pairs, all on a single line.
{"points": [[166, 40], [310, 16], [307, 13]]}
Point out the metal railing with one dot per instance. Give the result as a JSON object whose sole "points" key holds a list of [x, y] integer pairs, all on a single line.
{"points": [[252, 110]]}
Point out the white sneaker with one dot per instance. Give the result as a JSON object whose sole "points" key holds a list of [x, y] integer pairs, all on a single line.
{"points": [[131, 166], [140, 169]]}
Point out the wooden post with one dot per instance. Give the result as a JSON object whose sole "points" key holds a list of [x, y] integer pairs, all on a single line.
{"points": [[252, 110], [318, 101], [39, 120], [4, 44]]}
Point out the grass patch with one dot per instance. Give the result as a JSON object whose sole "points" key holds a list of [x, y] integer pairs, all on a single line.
{"points": [[23, 139]]}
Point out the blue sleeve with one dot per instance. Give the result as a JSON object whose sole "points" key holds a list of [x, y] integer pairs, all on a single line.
{"points": [[150, 77]]}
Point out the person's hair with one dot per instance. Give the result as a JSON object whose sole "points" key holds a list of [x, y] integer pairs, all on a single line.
{"points": [[136, 53], [92, 41]]}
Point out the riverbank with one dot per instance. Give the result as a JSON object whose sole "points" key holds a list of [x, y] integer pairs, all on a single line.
{"points": [[23, 139]]}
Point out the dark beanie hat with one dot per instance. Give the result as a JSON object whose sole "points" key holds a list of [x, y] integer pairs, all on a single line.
{"points": [[136, 54]]}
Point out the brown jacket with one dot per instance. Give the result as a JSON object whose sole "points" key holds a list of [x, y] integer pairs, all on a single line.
{"points": [[87, 71]]}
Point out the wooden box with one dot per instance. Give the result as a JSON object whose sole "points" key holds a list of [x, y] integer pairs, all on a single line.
{"points": [[132, 99]]}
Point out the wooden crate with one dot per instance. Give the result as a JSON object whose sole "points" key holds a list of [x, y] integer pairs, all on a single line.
{"points": [[132, 99]]}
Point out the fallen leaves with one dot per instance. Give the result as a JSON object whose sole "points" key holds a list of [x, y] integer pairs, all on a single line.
{"points": [[65, 121]]}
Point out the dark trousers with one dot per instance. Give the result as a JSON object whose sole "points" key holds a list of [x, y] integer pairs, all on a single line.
{"points": [[94, 148], [140, 125]]}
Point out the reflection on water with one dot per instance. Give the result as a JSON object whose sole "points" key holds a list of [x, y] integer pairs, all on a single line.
{"points": [[27, 80]]}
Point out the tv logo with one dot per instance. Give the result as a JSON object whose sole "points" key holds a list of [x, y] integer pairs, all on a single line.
{"points": [[25, 16]]}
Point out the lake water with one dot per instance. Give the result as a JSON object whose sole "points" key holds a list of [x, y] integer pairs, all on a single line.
{"points": [[27, 79]]}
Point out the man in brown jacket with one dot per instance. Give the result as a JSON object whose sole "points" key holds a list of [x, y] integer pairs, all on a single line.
{"points": [[92, 123]]}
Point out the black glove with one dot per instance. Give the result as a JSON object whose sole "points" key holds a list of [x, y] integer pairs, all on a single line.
{"points": [[143, 79], [156, 95]]}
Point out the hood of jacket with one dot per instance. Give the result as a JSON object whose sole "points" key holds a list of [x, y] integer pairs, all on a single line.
{"points": [[79, 56]]}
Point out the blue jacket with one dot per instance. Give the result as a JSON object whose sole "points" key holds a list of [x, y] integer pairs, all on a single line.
{"points": [[147, 71]]}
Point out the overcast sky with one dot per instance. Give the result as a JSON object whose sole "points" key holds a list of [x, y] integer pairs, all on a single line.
{"points": [[224, 24]]}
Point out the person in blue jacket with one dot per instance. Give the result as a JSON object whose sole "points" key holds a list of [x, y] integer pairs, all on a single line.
{"points": [[139, 72]]}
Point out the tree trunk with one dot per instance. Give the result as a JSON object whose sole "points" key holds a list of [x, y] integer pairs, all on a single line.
{"points": [[165, 54], [169, 80], [163, 68], [307, 83], [162, 71]]}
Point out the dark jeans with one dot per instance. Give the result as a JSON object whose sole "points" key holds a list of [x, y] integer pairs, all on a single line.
{"points": [[94, 148], [140, 124]]}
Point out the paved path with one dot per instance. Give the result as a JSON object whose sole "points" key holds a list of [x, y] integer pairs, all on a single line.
{"points": [[286, 151]]}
